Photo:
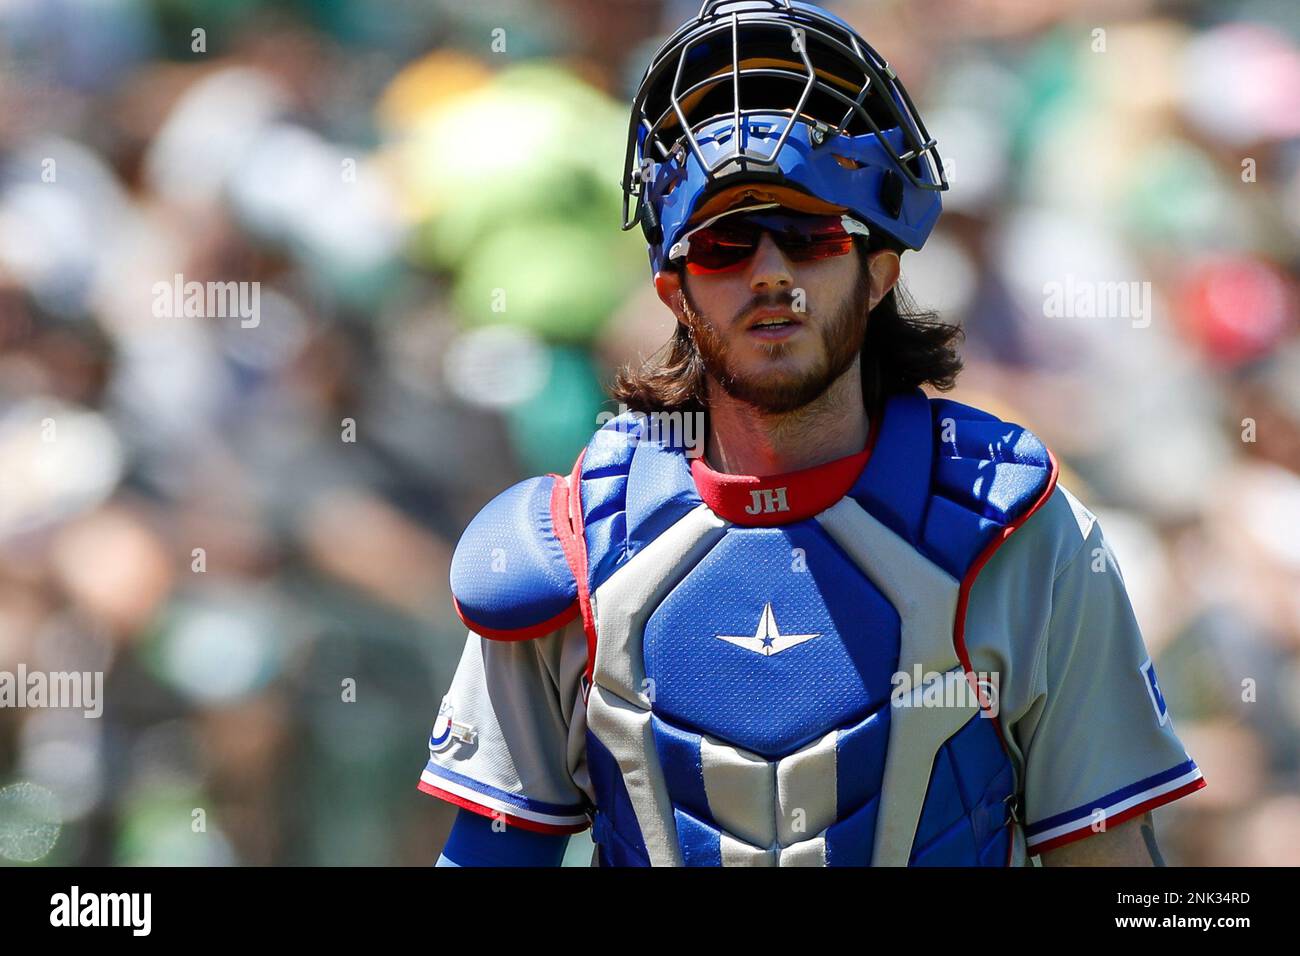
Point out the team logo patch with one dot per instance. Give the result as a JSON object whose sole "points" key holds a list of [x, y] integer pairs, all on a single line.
{"points": [[767, 638], [446, 729], [1153, 688]]}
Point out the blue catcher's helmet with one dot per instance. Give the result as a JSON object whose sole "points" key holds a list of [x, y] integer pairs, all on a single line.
{"points": [[820, 123]]}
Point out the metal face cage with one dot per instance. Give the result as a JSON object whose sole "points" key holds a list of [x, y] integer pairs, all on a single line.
{"points": [[795, 60]]}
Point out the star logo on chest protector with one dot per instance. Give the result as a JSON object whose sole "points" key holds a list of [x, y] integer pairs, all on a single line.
{"points": [[767, 639]]}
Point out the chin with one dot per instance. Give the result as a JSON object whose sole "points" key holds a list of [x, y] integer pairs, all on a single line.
{"points": [[788, 366], [780, 393]]}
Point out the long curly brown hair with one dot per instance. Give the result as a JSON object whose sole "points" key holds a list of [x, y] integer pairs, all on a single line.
{"points": [[904, 347]]}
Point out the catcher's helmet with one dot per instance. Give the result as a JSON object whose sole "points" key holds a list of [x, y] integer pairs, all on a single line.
{"points": [[820, 123]]}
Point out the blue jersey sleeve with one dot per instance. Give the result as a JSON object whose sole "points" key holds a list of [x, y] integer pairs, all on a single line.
{"points": [[473, 842]]}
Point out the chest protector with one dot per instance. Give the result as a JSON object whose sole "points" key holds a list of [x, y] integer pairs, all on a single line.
{"points": [[777, 672]]}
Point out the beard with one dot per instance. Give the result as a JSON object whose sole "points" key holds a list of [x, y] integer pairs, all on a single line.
{"points": [[774, 393]]}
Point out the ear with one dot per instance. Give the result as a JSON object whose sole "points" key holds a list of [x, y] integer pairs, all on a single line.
{"points": [[884, 267], [668, 286]]}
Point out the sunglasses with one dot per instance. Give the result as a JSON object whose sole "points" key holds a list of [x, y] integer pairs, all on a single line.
{"points": [[725, 242]]}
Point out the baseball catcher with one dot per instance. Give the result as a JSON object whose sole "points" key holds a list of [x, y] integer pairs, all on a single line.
{"points": [[842, 623]]}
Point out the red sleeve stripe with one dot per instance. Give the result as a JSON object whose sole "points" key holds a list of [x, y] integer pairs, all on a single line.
{"points": [[1122, 812], [487, 807]]}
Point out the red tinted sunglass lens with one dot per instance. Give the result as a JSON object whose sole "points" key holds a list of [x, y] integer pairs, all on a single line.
{"points": [[819, 247], [726, 247], [721, 249], [809, 238]]}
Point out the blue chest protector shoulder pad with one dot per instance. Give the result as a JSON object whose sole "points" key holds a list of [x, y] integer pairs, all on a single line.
{"points": [[510, 577]]}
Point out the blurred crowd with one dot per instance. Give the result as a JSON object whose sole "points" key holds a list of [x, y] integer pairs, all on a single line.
{"points": [[245, 521]]}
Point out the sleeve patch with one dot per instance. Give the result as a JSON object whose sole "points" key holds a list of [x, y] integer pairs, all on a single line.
{"points": [[1153, 690], [446, 729]]}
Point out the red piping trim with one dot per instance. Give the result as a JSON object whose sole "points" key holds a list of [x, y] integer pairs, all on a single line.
{"points": [[573, 540], [521, 633], [510, 818], [963, 598]]}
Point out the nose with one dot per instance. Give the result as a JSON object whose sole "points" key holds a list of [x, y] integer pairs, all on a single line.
{"points": [[769, 270]]}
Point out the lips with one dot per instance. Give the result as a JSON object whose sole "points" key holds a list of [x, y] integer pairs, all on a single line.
{"points": [[773, 325], [771, 319]]}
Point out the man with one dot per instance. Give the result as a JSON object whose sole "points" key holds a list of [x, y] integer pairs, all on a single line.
{"points": [[865, 627]]}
